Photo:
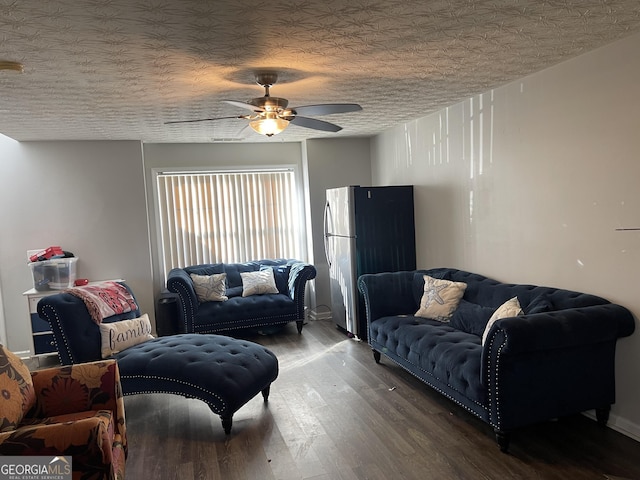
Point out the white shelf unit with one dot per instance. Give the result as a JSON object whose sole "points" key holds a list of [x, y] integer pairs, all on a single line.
{"points": [[42, 341]]}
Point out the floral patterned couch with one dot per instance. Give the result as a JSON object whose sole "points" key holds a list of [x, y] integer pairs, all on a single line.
{"points": [[75, 411]]}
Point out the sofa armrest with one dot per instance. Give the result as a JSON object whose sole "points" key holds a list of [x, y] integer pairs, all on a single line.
{"points": [[386, 294], [90, 439], [180, 283], [299, 274], [561, 328], [80, 387], [77, 336], [552, 364]]}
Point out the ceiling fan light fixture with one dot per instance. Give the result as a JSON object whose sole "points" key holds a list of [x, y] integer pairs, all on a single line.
{"points": [[271, 115], [269, 124]]}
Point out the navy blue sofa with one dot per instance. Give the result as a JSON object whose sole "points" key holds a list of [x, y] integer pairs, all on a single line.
{"points": [[555, 360], [240, 312]]}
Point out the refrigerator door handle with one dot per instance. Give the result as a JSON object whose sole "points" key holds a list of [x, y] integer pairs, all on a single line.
{"points": [[327, 214]]}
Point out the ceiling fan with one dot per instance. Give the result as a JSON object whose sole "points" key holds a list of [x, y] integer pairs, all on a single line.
{"points": [[271, 115]]}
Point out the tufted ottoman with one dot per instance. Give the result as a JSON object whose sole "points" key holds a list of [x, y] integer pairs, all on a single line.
{"points": [[221, 371]]}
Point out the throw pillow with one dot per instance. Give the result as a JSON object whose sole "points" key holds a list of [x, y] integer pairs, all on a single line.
{"points": [[440, 298], [471, 317], [281, 275], [540, 304], [417, 286], [234, 292], [17, 394], [510, 308], [258, 283], [118, 336], [210, 288]]}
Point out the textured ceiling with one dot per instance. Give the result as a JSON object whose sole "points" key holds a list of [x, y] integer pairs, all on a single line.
{"points": [[118, 69]]}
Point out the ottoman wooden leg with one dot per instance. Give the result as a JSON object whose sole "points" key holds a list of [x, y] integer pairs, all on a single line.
{"points": [[265, 394]]}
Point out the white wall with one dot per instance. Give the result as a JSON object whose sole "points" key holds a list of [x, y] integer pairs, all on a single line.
{"points": [[87, 197], [8, 149], [528, 183], [331, 163]]}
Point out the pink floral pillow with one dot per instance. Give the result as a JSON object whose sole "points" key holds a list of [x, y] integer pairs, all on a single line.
{"points": [[17, 394]]}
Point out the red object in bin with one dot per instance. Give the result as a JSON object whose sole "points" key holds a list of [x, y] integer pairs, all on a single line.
{"points": [[46, 254]]}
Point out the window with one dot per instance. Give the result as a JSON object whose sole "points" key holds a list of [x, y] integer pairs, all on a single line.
{"points": [[227, 217]]}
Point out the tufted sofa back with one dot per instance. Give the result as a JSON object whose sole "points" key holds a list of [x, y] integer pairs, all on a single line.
{"points": [[492, 293], [233, 270]]}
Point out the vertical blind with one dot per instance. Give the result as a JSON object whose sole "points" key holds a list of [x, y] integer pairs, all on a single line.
{"points": [[227, 217]]}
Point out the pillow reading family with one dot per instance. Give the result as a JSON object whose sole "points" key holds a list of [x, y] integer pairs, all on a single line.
{"points": [[118, 336]]}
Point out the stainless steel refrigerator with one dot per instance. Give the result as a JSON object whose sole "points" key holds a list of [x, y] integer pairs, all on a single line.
{"points": [[366, 230]]}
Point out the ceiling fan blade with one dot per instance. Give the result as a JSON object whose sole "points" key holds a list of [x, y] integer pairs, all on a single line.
{"points": [[248, 106], [315, 124], [327, 109], [243, 131], [205, 119]]}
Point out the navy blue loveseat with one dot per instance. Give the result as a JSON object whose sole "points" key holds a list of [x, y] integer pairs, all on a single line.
{"points": [[240, 312], [554, 360]]}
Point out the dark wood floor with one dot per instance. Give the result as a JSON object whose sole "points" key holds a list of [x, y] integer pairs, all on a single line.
{"points": [[334, 414]]}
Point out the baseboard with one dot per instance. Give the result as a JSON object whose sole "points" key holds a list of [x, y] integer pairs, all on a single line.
{"points": [[316, 315], [625, 427], [620, 425]]}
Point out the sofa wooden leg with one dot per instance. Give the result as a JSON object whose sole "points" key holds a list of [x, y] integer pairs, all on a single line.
{"points": [[227, 420], [602, 415], [299, 324], [376, 356], [265, 393], [502, 438]]}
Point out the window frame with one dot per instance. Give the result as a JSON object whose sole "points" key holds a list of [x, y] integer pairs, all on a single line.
{"points": [[301, 238]]}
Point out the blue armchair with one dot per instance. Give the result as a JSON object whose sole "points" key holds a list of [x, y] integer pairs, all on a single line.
{"points": [[237, 311]]}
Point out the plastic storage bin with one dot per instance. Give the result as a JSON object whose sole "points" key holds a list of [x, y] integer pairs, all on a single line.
{"points": [[55, 274]]}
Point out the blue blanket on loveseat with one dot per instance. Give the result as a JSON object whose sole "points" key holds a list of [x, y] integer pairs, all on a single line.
{"points": [[238, 311], [554, 359]]}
